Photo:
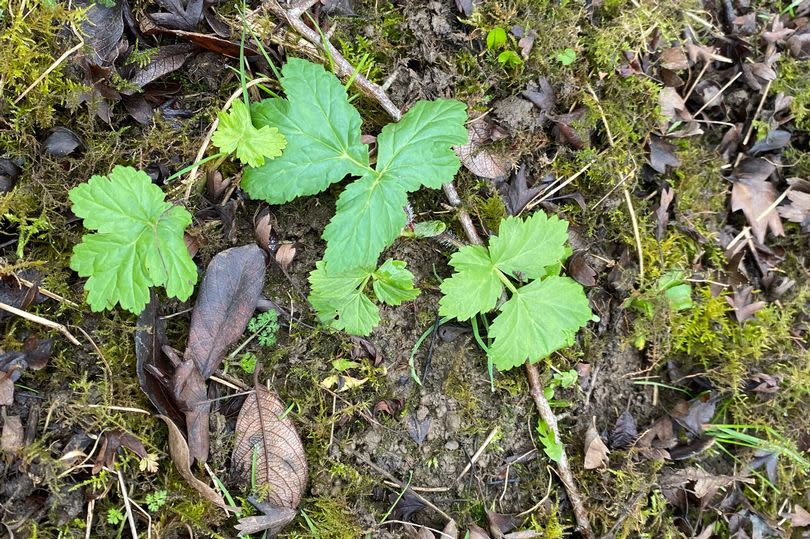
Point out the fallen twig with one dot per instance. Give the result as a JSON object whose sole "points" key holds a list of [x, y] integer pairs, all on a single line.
{"points": [[580, 514], [41, 321], [478, 453]]}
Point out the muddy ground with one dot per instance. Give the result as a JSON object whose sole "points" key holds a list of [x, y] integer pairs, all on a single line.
{"points": [[644, 363]]}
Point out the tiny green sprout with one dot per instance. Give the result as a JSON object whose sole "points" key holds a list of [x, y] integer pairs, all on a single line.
{"points": [[114, 516], [509, 59], [265, 325], [567, 57], [551, 447], [248, 362], [496, 38], [156, 500]]}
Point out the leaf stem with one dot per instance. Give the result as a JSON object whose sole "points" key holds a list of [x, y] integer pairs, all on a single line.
{"points": [[505, 280]]}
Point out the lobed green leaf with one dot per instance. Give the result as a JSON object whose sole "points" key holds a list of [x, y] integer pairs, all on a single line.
{"points": [[474, 287]]}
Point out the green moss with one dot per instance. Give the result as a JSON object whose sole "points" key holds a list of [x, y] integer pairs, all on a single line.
{"points": [[794, 80]]}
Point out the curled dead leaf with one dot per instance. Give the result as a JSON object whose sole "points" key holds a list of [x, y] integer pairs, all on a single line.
{"points": [[596, 452], [263, 428], [285, 255], [178, 449]]}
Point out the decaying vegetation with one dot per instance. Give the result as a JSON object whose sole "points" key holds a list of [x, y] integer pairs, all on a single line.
{"points": [[247, 395]]}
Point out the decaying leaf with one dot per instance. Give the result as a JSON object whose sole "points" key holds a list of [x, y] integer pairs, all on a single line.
{"points": [[517, 192], [674, 59], [179, 16], [168, 58], [798, 209], [285, 255], [662, 153], [704, 485], [178, 449], [111, 442], [11, 439], [754, 194], [580, 270], [662, 211], [477, 157], [742, 303], [226, 301], [800, 517], [405, 507], [596, 452], [152, 365], [263, 428], [624, 432], [501, 524], [272, 520]]}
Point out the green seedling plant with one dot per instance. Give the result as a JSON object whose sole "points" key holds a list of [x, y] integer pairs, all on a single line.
{"points": [[323, 145], [497, 39], [559, 380], [137, 244], [551, 447], [156, 500], [544, 310]]}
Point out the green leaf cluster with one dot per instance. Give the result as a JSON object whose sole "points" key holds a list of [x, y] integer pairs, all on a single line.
{"points": [[322, 130], [341, 299], [138, 241], [544, 310]]}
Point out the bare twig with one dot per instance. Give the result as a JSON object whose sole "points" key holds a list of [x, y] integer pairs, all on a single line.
{"points": [[44, 292], [756, 112], [636, 234], [478, 453], [41, 321], [401, 485], [567, 478], [130, 517]]}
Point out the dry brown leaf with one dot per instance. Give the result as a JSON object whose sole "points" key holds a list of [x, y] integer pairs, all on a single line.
{"points": [[798, 211], [672, 106], [674, 58], [178, 449], [477, 158], [263, 427], [111, 442], [272, 520], [477, 532], [799, 518], [596, 452], [743, 304], [753, 194], [285, 255], [12, 438], [6, 389]]}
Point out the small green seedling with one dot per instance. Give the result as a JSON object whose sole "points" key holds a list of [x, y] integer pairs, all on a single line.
{"points": [[236, 134], [567, 56], [322, 131], [544, 310], [138, 241], [115, 516], [156, 500], [496, 38], [670, 287], [560, 380], [551, 447], [265, 326]]}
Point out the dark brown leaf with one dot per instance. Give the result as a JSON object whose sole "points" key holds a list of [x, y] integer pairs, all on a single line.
{"points": [[264, 428], [167, 59], [418, 428], [37, 352], [102, 28], [138, 108], [61, 142], [6, 389], [662, 153], [763, 383], [226, 301], [691, 448], [694, 414], [500, 524], [753, 194], [178, 449], [477, 532], [263, 230], [624, 432], [774, 140], [389, 406], [662, 211], [179, 16], [674, 59], [579, 269], [672, 106], [742, 303], [111, 443], [406, 506], [542, 96], [153, 366], [209, 42], [517, 191], [9, 172], [363, 348]]}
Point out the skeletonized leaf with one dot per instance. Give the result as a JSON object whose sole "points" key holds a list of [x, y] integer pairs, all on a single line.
{"points": [[178, 449], [264, 429]]}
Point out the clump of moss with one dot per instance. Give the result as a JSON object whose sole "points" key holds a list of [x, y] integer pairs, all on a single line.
{"points": [[794, 81], [30, 42]]}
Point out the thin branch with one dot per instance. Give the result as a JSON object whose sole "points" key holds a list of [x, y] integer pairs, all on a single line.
{"points": [[41, 321], [567, 478]]}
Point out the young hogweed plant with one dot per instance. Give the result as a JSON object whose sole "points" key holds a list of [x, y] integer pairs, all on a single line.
{"points": [[544, 310], [322, 131]]}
